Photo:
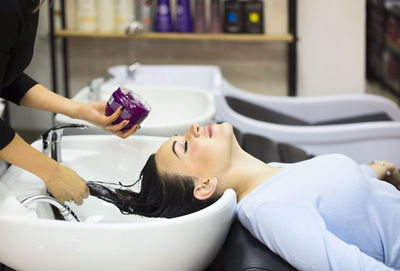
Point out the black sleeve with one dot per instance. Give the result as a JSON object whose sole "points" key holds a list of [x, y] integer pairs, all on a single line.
{"points": [[9, 28], [6, 134], [18, 88], [10, 24]]}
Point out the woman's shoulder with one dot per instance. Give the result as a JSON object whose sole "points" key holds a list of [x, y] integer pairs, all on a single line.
{"points": [[10, 6], [10, 11]]}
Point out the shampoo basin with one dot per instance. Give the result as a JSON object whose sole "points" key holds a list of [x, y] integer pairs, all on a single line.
{"points": [[206, 77], [105, 239], [173, 108]]}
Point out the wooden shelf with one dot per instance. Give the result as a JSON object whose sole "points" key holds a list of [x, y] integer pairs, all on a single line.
{"points": [[180, 36]]}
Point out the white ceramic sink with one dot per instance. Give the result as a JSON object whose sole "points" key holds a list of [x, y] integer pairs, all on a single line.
{"points": [[2, 107], [205, 77], [173, 108], [106, 239]]}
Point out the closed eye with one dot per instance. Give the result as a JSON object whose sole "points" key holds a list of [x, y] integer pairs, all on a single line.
{"points": [[186, 146]]}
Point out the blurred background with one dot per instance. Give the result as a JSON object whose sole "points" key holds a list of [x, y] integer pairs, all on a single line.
{"points": [[341, 46]]}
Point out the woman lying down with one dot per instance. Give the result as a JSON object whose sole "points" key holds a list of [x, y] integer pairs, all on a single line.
{"points": [[325, 213]]}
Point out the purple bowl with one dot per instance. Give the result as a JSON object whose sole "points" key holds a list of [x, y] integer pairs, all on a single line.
{"points": [[136, 108]]}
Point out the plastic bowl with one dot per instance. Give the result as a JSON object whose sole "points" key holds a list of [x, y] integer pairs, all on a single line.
{"points": [[136, 109]]}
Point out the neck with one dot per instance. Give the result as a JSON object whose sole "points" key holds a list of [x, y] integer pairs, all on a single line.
{"points": [[246, 173]]}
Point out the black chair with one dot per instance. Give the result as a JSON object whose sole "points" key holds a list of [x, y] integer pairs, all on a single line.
{"points": [[241, 250]]}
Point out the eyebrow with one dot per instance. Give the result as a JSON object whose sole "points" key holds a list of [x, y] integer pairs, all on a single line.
{"points": [[173, 148]]}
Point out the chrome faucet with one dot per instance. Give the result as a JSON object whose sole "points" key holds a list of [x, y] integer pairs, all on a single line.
{"points": [[51, 140], [65, 211], [131, 70], [94, 88]]}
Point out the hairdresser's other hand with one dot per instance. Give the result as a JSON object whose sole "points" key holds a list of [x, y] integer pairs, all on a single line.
{"points": [[65, 185], [386, 171], [95, 112]]}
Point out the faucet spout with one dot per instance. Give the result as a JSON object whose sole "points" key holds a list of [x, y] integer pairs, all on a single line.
{"points": [[65, 211], [131, 70], [51, 140], [94, 88]]}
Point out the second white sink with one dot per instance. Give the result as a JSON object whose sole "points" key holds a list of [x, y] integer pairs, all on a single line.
{"points": [[174, 109]]}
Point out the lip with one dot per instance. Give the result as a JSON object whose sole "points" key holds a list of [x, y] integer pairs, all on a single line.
{"points": [[209, 130]]}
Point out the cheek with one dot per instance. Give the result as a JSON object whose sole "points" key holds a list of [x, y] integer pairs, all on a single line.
{"points": [[207, 158]]}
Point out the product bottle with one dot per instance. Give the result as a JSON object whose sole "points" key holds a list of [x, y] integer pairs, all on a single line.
{"points": [[123, 14], [200, 16], [144, 14], [183, 18], [215, 25], [106, 18], [163, 17], [87, 17], [233, 16], [71, 16], [253, 16]]}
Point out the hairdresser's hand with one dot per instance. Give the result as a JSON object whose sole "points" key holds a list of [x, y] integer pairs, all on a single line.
{"points": [[65, 185], [95, 112], [386, 171]]}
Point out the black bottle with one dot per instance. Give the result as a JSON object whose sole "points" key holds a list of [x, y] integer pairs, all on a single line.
{"points": [[253, 16], [233, 19]]}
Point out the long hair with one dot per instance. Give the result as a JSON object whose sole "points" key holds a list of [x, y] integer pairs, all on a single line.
{"points": [[40, 4], [161, 195]]}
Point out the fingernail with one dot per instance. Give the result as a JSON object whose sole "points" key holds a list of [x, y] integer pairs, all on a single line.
{"points": [[126, 123], [139, 127], [123, 107]]}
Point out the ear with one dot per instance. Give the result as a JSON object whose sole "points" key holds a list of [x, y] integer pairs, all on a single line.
{"points": [[205, 188]]}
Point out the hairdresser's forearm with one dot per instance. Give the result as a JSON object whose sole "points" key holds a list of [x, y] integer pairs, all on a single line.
{"points": [[39, 97], [19, 153]]}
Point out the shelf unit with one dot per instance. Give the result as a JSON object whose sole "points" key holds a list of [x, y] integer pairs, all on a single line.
{"points": [[290, 38], [178, 36], [383, 53]]}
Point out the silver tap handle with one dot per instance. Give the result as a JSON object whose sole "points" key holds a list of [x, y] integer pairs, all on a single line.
{"points": [[46, 134], [51, 140], [95, 86], [132, 68]]}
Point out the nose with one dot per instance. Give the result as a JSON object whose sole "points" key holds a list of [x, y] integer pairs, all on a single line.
{"points": [[194, 130]]}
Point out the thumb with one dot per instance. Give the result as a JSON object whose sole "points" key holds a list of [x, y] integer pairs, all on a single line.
{"points": [[113, 117]]}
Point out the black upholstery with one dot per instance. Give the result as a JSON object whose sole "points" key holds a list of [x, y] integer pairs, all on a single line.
{"points": [[241, 250], [260, 113], [261, 147]]}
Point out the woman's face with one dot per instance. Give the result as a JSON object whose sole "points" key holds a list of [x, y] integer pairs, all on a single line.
{"points": [[202, 152]]}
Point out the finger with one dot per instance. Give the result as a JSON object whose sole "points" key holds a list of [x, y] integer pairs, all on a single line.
{"points": [[125, 134], [60, 199], [86, 193], [114, 116], [116, 127], [78, 201]]}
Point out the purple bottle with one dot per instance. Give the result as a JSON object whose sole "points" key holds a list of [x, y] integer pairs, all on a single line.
{"points": [[136, 108], [183, 18], [163, 17]]}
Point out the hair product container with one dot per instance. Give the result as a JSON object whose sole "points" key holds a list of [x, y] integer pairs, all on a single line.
{"points": [[124, 14], [200, 16], [106, 15], [253, 16], [233, 16], [87, 15], [215, 22], [183, 17], [163, 17]]}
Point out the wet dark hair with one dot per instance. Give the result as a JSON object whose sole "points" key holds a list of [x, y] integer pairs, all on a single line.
{"points": [[40, 4], [161, 195]]}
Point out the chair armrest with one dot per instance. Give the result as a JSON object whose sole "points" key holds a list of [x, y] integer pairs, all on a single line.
{"points": [[319, 108]]}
